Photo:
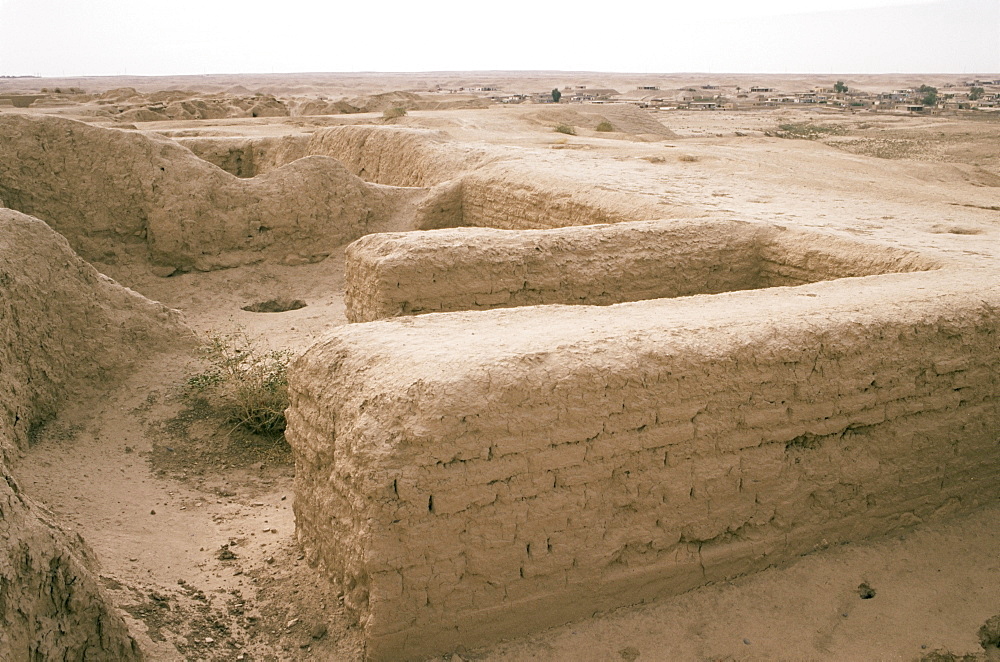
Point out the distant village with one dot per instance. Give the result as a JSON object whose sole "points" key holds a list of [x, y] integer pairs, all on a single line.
{"points": [[967, 95]]}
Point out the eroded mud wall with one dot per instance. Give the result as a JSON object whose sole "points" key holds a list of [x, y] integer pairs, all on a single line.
{"points": [[504, 197], [473, 185], [106, 189], [396, 156], [471, 476], [247, 157], [477, 269], [63, 327]]}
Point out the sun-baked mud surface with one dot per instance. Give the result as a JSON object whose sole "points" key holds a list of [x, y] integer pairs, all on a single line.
{"points": [[191, 524]]}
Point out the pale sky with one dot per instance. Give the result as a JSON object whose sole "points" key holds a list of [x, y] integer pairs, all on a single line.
{"points": [[109, 37]]}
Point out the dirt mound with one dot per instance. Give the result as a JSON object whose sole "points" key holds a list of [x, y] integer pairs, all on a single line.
{"points": [[63, 326], [127, 105], [307, 107], [624, 118], [379, 102], [115, 194]]}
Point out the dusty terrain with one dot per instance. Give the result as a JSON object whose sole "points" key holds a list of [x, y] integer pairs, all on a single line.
{"points": [[191, 524]]}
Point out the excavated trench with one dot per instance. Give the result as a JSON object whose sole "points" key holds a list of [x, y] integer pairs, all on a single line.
{"points": [[127, 201], [623, 452]]}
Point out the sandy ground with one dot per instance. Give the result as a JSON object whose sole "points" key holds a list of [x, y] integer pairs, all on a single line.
{"points": [[193, 524]]}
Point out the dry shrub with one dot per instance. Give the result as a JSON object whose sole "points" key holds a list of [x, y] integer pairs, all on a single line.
{"points": [[605, 127], [804, 131], [687, 158], [393, 113], [565, 128], [247, 384]]}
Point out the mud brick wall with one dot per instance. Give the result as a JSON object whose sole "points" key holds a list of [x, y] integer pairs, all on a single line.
{"points": [[478, 475], [478, 268]]}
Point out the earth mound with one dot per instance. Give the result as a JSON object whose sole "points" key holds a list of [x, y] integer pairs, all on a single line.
{"points": [[623, 118]]}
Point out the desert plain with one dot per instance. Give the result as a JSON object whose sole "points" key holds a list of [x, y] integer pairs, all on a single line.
{"points": [[168, 209]]}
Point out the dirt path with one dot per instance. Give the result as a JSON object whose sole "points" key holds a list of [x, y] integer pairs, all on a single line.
{"points": [[193, 529]]}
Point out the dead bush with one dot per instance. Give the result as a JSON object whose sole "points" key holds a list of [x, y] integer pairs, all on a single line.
{"points": [[247, 384]]}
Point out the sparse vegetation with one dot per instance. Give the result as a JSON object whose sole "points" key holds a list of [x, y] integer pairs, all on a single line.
{"points": [[605, 127], [556, 95], [566, 128], [840, 87], [804, 131], [976, 93], [687, 158], [393, 113], [929, 95], [247, 384]]}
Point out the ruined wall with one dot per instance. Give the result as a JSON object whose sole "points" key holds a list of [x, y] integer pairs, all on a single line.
{"points": [[397, 156], [473, 185], [104, 189], [63, 327], [477, 269], [475, 475], [505, 197], [247, 157]]}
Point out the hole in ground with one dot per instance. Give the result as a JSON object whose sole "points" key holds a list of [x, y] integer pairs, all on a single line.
{"points": [[275, 306]]}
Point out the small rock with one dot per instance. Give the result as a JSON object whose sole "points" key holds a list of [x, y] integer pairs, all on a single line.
{"points": [[209, 640], [152, 512], [163, 272], [865, 591], [269, 559], [293, 260], [292, 623], [225, 554], [319, 631], [746, 641]]}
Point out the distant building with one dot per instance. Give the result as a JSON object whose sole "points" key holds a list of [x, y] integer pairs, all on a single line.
{"points": [[592, 95]]}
